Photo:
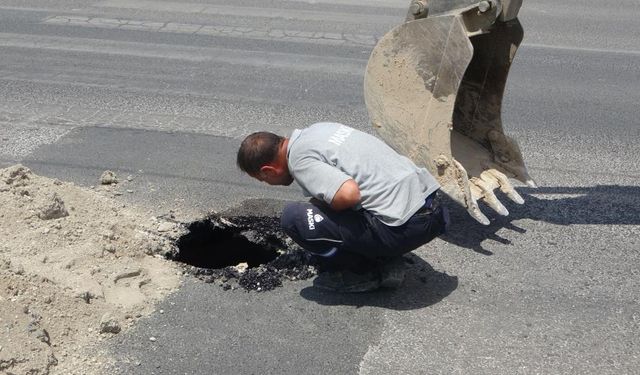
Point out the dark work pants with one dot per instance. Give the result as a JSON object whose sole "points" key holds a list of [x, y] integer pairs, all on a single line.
{"points": [[357, 240]]}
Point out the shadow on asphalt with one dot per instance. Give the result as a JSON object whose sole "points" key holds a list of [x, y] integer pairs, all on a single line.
{"points": [[595, 205], [423, 286]]}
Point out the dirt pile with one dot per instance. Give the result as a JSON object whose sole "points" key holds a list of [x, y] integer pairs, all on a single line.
{"points": [[75, 267]]}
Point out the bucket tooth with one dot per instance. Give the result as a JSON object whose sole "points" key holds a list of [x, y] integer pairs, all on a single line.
{"points": [[475, 213], [505, 186], [487, 195]]}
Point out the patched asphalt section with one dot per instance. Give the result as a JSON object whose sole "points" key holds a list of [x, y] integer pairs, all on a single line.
{"points": [[194, 172], [296, 329], [206, 330]]}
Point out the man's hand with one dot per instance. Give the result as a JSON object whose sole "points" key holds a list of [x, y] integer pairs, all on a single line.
{"points": [[347, 196]]}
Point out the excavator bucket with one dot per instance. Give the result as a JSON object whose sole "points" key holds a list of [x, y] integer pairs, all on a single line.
{"points": [[433, 89]]}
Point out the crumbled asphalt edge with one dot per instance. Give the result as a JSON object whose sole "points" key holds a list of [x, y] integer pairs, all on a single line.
{"points": [[292, 264]]}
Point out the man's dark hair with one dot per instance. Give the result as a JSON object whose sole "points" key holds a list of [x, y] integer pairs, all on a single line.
{"points": [[256, 150]]}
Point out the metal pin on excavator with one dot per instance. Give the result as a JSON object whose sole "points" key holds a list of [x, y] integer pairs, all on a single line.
{"points": [[434, 87]]}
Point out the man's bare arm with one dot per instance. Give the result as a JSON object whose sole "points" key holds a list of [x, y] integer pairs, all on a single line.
{"points": [[347, 196]]}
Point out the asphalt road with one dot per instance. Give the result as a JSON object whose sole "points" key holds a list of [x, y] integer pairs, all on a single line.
{"points": [[165, 90]]}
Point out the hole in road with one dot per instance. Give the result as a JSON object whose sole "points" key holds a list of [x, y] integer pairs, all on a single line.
{"points": [[218, 243], [214, 248]]}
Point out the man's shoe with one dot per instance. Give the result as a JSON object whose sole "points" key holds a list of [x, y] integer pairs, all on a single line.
{"points": [[347, 281], [392, 273]]}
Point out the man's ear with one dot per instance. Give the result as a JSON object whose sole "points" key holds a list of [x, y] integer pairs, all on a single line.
{"points": [[269, 170]]}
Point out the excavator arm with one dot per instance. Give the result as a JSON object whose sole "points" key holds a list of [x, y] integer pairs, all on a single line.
{"points": [[434, 88]]}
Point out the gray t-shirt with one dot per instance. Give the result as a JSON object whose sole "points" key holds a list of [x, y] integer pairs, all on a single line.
{"points": [[325, 155]]}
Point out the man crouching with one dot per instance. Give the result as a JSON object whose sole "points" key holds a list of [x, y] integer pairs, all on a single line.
{"points": [[369, 204]]}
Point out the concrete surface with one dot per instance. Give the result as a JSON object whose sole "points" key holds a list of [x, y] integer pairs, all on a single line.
{"points": [[165, 90]]}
